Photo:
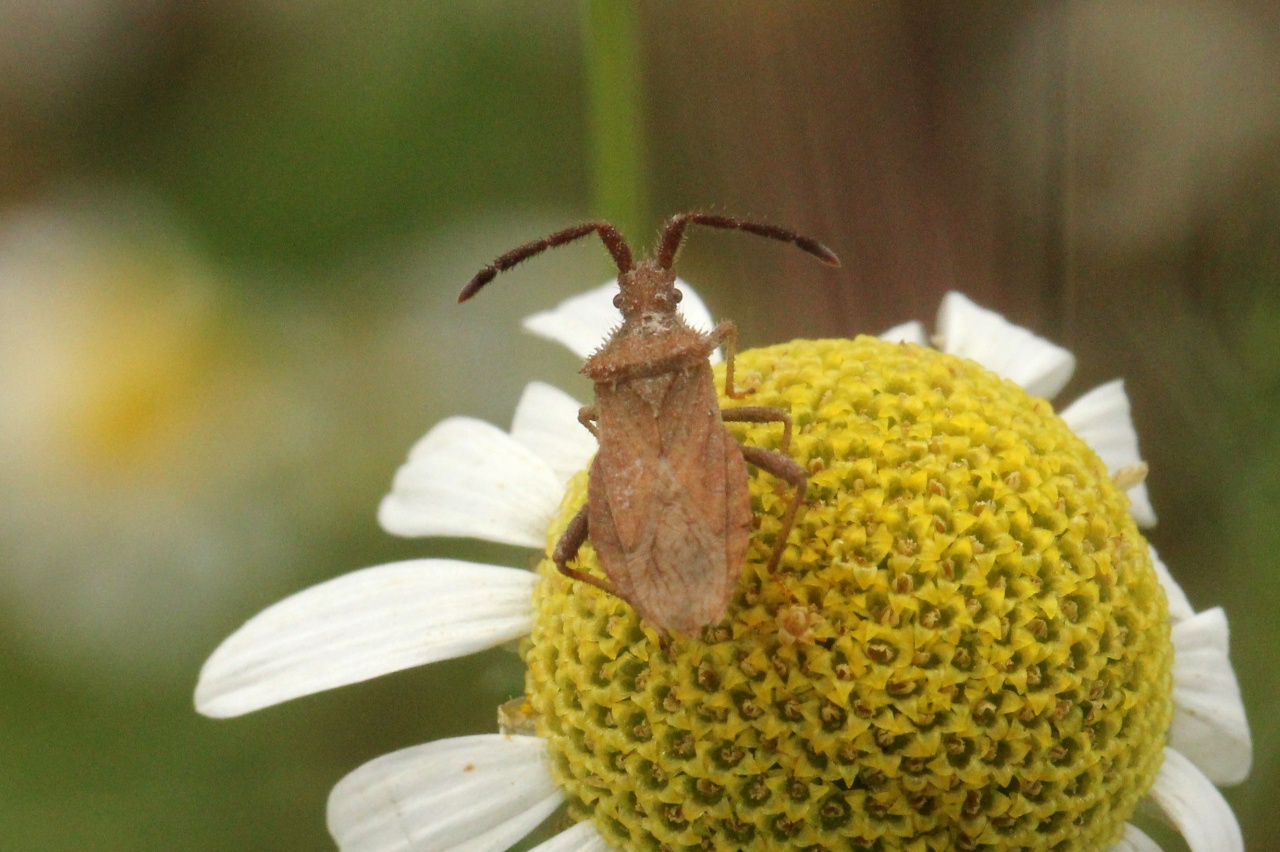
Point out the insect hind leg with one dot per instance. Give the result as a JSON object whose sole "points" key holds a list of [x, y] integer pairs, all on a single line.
{"points": [[567, 548], [760, 414], [789, 471]]}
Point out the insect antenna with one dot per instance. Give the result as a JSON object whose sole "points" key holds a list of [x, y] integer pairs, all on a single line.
{"points": [[613, 241], [673, 236]]}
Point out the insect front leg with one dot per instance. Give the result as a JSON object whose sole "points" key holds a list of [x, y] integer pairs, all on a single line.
{"points": [[567, 548], [588, 416], [760, 414], [789, 471], [726, 334]]}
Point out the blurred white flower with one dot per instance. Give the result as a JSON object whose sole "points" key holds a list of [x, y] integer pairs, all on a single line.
{"points": [[138, 431]]}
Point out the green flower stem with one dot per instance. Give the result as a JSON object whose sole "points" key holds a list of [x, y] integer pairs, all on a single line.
{"points": [[616, 113]]}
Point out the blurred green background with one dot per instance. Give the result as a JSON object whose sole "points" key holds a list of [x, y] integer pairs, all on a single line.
{"points": [[231, 236]]}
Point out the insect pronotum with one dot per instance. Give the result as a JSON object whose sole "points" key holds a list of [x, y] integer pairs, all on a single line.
{"points": [[668, 510]]}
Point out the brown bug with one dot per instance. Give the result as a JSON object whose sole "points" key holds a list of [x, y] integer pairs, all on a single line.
{"points": [[667, 508]]}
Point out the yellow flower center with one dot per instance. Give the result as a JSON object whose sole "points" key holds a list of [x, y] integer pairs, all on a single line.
{"points": [[964, 647]]}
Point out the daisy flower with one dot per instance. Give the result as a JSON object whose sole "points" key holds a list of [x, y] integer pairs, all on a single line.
{"points": [[967, 643]]}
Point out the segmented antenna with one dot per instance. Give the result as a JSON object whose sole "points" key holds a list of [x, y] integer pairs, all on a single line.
{"points": [[613, 241], [673, 236]]}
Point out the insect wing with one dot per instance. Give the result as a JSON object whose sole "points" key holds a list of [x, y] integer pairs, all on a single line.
{"points": [[670, 514]]}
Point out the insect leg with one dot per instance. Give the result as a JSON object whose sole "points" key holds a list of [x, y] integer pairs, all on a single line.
{"points": [[726, 334], [588, 416], [567, 548], [760, 414], [789, 471]]}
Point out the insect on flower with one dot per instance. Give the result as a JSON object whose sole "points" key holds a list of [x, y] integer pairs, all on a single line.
{"points": [[668, 510]]}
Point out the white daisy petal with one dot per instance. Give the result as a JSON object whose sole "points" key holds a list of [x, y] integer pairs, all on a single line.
{"points": [[1180, 607], [1140, 506], [582, 322], [469, 478], [546, 422], [582, 837], [362, 625], [1194, 806], [693, 309], [908, 332], [1103, 420], [1209, 724], [1134, 840], [965, 329], [467, 794], [696, 314]]}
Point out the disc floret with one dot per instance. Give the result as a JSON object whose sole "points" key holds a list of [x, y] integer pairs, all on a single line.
{"points": [[964, 645]]}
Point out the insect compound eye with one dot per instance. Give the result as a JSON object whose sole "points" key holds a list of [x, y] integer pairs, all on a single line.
{"points": [[617, 301], [676, 296]]}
